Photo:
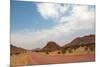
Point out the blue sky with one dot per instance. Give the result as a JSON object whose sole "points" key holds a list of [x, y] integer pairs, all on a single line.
{"points": [[25, 16], [33, 24]]}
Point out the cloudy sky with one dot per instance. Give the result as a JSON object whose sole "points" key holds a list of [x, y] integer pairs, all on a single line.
{"points": [[34, 24]]}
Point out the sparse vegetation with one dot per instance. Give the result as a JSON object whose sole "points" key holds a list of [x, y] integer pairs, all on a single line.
{"points": [[74, 48], [36, 51], [70, 50], [17, 53], [92, 48], [86, 48]]}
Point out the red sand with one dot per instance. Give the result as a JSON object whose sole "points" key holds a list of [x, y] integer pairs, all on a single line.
{"points": [[43, 59]]}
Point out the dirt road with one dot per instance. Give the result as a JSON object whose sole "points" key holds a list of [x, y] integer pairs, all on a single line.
{"points": [[41, 59], [37, 59]]}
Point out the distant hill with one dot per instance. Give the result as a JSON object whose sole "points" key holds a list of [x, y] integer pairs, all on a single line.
{"points": [[16, 50], [89, 39], [36, 50], [79, 41], [51, 46]]}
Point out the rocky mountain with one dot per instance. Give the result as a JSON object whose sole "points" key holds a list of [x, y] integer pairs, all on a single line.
{"points": [[51, 46], [16, 50], [89, 39]]}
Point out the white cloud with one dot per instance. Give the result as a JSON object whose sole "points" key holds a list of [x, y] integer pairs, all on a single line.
{"points": [[80, 22], [50, 10], [81, 18]]}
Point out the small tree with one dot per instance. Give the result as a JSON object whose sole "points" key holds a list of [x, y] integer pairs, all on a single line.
{"points": [[17, 53], [92, 48], [58, 52], [86, 48], [63, 51], [47, 52]]}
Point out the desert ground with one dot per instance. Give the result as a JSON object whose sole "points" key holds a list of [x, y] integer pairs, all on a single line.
{"points": [[34, 58]]}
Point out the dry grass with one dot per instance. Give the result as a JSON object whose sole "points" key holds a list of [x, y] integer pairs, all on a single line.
{"points": [[32, 57]]}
